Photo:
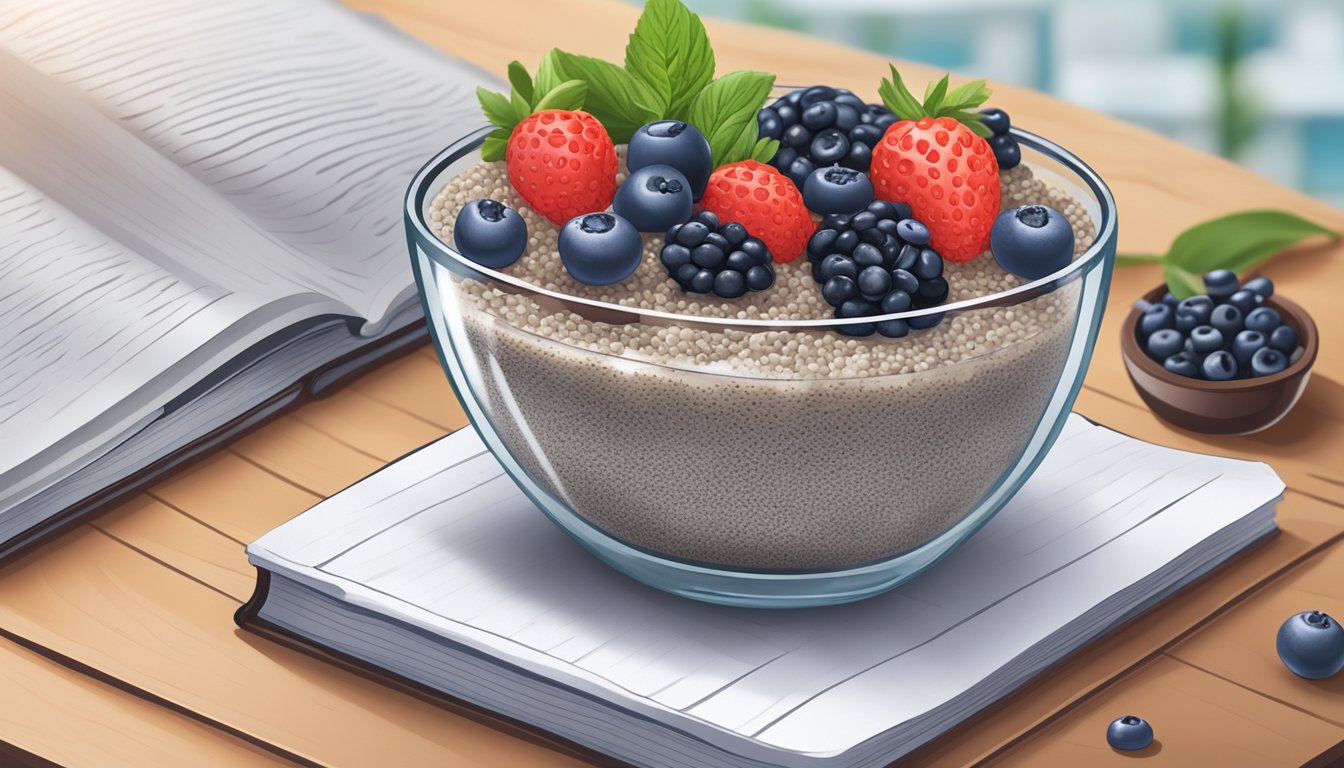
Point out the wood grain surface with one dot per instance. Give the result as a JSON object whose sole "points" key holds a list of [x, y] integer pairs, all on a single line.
{"points": [[120, 649]]}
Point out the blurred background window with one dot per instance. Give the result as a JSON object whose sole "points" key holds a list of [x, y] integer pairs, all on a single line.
{"points": [[1260, 83]]}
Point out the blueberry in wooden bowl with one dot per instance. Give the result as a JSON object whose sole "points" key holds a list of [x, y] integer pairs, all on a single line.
{"points": [[1204, 365]]}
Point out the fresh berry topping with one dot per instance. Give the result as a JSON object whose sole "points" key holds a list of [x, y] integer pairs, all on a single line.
{"points": [[562, 163], [761, 199], [1244, 347], [1245, 301], [1268, 360], [1129, 733], [1032, 241], [1284, 339], [1261, 286], [934, 160], [1205, 339], [654, 198], [703, 256], [1006, 151], [996, 120], [1263, 319], [1155, 318], [1164, 343], [600, 248], [490, 233], [866, 268], [837, 190], [822, 126], [1311, 645], [1220, 284], [674, 143], [1183, 364], [1227, 319]]}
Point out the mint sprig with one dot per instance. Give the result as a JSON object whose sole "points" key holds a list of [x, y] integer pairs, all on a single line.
{"points": [[958, 103], [525, 98], [670, 52], [725, 112], [1239, 242], [618, 99]]}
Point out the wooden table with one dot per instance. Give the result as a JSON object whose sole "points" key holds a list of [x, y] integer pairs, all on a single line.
{"points": [[119, 646]]}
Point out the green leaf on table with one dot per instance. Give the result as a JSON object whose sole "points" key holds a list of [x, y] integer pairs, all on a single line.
{"points": [[618, 99], [520, 80], [725, 112], [1240, 241], [570, 94], [671, 53]]}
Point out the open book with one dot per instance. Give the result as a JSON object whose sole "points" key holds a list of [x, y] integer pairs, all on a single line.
{"points": [[437, 574], [200, 222]]}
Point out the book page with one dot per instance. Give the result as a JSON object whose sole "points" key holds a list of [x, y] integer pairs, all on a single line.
{"points": [[308, 119], [444, 542]]}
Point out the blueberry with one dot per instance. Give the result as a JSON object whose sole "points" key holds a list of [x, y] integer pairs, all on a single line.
{"points": [[846, 242], [874, 282], [859, 157], [797, 136], [1032, 241], [817, 93], [1006, 151], [906, 257], [895, 301], [730, 284], [1170, 299], [912, 231], [838, 290], [867, 135], [996, 120], [1261, 286], [1186, 321], [846, 117], [905, 281], [692, 234], [490, 233], [710, 219], [1155, 318], [1220, 366], [1227, 319], [1164, 343], [821, 241], [1220, 284], [1182, 364], [654, 198], [1244, 301], [799, 170], [1129, 733], [600, 248], [837, 265], [1268, 360], [674, 143], [863, 220], [1245, 345], [1205, 339], [768, 124], [837, 190], [928, 265], [1263, 319], [829, 147], [1311, 645], [708, 256], [893, 329], [788, 113], [760, 277], [1284, 339], [820, 115], [1200, 306], [868, 255]]}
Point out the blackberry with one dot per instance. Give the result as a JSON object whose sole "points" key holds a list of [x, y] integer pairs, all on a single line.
{"points": [[821, 126], [877, 262], [704, 256], [1006, 151]]}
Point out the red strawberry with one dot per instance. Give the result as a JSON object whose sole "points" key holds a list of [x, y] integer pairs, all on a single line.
{"points": [[934, 160], [563, 163], [763, 200]]}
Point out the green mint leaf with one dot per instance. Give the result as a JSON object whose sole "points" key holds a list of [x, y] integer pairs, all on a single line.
{"points": [[618, 99], [567, 95], [1182, 283], [764, 150], [1135, 259], [548, 74], [520, 80], [933, 95], [898, 99], [520, 106], [967, 96], [670, 52], [498, 109], [1240, 241], [725, 112], [492, 148]]}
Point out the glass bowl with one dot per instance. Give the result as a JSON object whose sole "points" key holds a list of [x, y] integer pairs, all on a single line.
{"points": [[674, 448]]}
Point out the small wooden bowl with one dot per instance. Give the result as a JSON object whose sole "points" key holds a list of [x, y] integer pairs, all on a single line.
{"points": [[1236, 407]]}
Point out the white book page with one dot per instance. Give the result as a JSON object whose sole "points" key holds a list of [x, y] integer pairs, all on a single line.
{"points": [[308, 119], [480, 565]]}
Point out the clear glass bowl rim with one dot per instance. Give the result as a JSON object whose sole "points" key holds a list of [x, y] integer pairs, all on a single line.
{"points": [[421, 233]]}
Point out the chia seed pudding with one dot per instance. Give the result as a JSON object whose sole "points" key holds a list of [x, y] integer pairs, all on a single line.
{"points": [[770, 449]]}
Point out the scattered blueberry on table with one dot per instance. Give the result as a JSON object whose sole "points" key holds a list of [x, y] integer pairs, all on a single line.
{"points": [[1311, 645], [490, 233], [1221, 335], [1032, 241], [654, 198], [1129, 733], [600, 248]]}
